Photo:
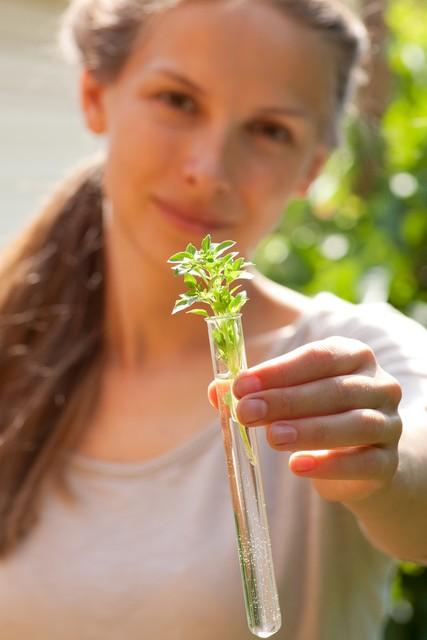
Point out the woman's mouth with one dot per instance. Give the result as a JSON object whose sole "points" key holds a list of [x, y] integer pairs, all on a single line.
{"points": [[189, 221]]}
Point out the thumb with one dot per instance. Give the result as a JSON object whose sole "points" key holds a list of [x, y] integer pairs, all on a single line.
{"points": [[212, 395]]}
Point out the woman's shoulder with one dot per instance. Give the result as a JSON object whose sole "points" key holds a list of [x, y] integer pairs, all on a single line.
{"points": [[324, 314], [325, 311], [329, 313]]}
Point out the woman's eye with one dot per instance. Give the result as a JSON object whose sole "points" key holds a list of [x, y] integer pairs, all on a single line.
{"points": [[272, 131], [177, 100]]}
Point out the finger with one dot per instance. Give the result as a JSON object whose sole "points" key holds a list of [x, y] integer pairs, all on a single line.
{"points": [[212, 394], [320, 398], [353, 463], [351, 428], [325, 358]]}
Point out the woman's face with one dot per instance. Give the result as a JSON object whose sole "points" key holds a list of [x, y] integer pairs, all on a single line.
{"points": [[215, 121]]}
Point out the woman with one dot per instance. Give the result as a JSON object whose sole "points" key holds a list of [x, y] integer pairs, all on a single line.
{"points": [[116, 520]]}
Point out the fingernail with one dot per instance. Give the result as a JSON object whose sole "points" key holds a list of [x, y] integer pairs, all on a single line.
{"points": [[252, 409], [303, 463], [283, 434], [246, 384]]}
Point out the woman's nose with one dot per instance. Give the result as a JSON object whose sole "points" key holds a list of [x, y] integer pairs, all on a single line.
{"points": [[208, 164]]}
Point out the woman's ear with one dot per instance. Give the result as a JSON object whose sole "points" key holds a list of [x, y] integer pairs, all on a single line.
{"points": [[317, 163], [92, 102]]}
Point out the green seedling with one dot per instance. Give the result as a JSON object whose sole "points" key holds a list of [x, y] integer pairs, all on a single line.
{"points": [[210, 274]]}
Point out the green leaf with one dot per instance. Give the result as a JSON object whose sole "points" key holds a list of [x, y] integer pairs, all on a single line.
{"points": [[184, 302], [181, 269], [206, 243], [190, 281], [199, 312], [222, 246], [238, 302], [178, 257], [191, 249]]}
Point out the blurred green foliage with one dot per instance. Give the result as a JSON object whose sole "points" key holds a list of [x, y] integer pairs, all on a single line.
{"points": [[362, 233]]}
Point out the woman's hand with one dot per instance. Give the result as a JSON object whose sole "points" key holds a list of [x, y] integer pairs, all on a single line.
{"points": [[334, 408]]}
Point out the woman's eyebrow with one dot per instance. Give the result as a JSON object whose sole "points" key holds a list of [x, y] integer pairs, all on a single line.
{"points": [[296, 112], [175, 75]]}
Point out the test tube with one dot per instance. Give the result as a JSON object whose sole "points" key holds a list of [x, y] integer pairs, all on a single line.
{"points": [[244, 475]]}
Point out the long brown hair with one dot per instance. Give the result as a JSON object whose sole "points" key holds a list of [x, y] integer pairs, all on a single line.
{"points": [[51, 307], [52, 277]]}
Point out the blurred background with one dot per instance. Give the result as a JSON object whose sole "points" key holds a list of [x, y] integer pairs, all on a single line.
{"points": [[41, 132], [361, 234]]}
